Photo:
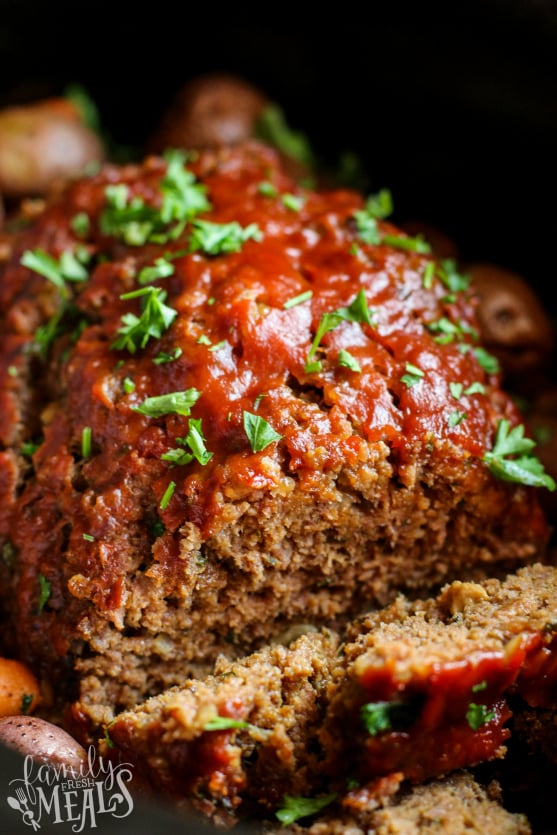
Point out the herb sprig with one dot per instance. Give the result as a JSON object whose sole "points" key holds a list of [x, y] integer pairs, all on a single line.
{"points": [[509, 460]]}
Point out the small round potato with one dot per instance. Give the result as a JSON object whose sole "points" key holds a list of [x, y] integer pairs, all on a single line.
{"points": [[19, 689], [513, 323], [41, 143], [45, 742], [211, 110]]}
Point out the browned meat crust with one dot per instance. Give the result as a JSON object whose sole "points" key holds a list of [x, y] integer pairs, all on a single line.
{"points": [[130, 570]]}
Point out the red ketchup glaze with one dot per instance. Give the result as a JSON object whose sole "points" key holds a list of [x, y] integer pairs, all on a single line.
{"points": [[237, 344], [457, 712]]}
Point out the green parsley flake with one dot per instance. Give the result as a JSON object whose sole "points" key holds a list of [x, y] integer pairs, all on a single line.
{"points": [[357, 311], [272, 127], [456, 390], [522, 467], [195, 442], [221, 238], [156, 317], [86, 441], [44, 592], [26, 702], [481, 685], [167, 495], [478, 715], [417, 244], [313, 367], [183, 197], [226, 723], [267, 189], [292, 202], [294, 808], [348, 361], [88, 537], [413, 375], [174, 403], [80, 224], [429, 273], [379, 717], [12, 371], [68, 267], [455, 418], [128, 385], [260, 433], [163, 357], [299, 299], [162, 268], [487, 361]]}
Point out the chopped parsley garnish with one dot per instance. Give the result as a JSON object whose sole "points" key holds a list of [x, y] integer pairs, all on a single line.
{"points": [[44, 592], [348, 361], [272, 127], [379, 717], [195, 442], [183, 196], [455, 418], [456, 390], [203, 340], [167, 495], [413, 375], [267, 189], [417, 244], [521, 467], [478, 715], [221, 238], [86, 441], [294, 808], [128, 385], [80, 224], [26, 702], [163, 357], [174, 403], [29, 448], [299, 299], [260, 433], [68, 267], [134, 222], [475, 388], [429, 273], [88, 537], [450, 277], [226, 723], [218, 346], [357, 311], [487, 361], [107, 739], [293, 202], [481, 685], [162, 268], [156, 317]]}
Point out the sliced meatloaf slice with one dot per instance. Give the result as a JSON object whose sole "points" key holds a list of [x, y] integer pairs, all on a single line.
{"points": [[454, 805], [230, 403], [418, 690]]}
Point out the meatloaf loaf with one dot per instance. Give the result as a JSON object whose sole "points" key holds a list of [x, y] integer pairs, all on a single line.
{"points": [[229, 403], [417, 690]]}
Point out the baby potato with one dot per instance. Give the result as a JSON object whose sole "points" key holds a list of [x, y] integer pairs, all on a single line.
{"points": [[45, 742], [513, 323], [211, 110], [19, 688], [41, 143]]}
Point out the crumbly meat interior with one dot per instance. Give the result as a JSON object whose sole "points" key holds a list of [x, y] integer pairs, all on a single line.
{"points": [[319, 445], [417, 691]]}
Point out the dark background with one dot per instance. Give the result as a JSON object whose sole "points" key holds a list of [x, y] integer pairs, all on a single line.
{"points": [[452, 107]]}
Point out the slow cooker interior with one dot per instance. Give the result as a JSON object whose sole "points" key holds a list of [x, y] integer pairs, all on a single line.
{"points": [[453, 110]]}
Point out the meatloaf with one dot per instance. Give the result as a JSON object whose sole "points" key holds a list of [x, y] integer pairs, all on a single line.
{"points": [[417, 690], [230, 403]]}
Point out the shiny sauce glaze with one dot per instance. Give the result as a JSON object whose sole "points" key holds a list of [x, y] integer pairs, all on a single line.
{"points": [[238, 339]]}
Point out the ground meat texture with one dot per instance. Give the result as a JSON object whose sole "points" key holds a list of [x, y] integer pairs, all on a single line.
{"points": [[418, 690], [450, 806], [149, 542]]}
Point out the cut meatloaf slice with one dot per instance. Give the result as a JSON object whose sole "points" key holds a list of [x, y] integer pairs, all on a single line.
{"points": [[420, 689], [230, 403], [235, 742], [454, 805]]}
